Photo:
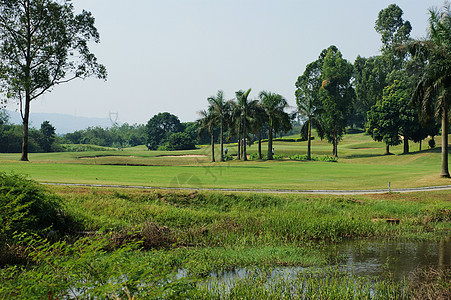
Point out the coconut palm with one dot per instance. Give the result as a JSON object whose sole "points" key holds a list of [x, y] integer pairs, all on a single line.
{"points": [[259, 121], [208, 122], [220, 107], [244, 115], [274, 104], [308, 109], [433, 89]]}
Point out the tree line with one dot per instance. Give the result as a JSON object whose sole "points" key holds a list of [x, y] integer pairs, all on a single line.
{"points": [[40, 140], [400, 95]]}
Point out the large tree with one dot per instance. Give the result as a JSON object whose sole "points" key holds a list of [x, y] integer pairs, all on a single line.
{"points": [[369, 79], [43, 44], [394, 31], [432, 92], [160, 127], [48, 136], [336, 96], [392, 120], [371, 73], [308, 102]]}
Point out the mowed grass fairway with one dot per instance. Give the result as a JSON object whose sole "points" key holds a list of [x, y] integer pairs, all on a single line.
{"points": [[361, 165]]}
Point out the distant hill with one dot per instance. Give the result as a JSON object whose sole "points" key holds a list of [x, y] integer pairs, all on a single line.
{"points": [[63, 123]]}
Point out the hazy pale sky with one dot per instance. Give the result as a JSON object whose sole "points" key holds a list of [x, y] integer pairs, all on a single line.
{"points": [[170, 55]]}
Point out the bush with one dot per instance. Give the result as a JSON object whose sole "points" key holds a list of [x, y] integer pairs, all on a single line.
{"points": [[431, 143], [25, 206], [228, 157], [180, 141], [315, 158]]}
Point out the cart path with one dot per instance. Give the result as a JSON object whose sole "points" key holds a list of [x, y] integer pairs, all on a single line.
{"points": [[278, 191]]}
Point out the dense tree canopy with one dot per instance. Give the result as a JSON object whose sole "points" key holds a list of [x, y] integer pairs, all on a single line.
{"points": [[160, 127]]}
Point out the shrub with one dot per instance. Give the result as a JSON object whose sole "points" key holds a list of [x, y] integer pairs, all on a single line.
{"points": [[315, 158], [180, 141], [228, 157], [25, 206], [432, 143]]}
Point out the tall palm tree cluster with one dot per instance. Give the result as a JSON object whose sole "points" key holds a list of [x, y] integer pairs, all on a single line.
{"points": [[244, 120]]}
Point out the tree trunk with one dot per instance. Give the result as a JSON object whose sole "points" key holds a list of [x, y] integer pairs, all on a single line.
{"points": [[387, 149], [26, 115], [212, 147], [244, 149], [335, 142], [222, 143], [270, 143], [445, 172], [260, 144], [420, 146], [238, 155], [25, 119], [309, 141], [406, 145]]}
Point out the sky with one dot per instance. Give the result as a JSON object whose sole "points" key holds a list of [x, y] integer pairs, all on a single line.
{"points": [[171, 55]]}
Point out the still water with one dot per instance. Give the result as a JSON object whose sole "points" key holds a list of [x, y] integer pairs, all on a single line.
{"points": [[377, 259]]}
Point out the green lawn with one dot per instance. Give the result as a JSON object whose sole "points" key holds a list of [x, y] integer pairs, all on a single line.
{"points": [[361, 165]]}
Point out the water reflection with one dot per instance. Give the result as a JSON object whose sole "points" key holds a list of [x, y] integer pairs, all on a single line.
{"points": [[383, 259], [393, 259]]}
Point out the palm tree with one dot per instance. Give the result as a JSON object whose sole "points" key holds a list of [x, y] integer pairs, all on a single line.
{"points": [[220, 107], [208, 122], [308, 109], [259, 120], [433, 89], [274, 105], [244, 119]]}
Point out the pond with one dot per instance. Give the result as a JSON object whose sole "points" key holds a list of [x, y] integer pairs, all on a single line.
{"points": [[375, 259]]}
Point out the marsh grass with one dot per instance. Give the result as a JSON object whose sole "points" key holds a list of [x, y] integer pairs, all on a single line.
{"points": [[133, 243], [222, 230], [327, 284]]}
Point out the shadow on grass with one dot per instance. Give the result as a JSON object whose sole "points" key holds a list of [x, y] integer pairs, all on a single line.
{"points": [[367, 155]]}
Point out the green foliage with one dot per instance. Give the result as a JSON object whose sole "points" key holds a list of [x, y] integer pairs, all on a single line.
{"points": [[48, 139], [57, 42], [180, 141], [84, 148], [118, 136], [315, 158], [392, 117], [84, 269], [277, 118], [160, 127], [370, 79], [228, 157], [336, 95], [25, 206], [392, 28]]}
